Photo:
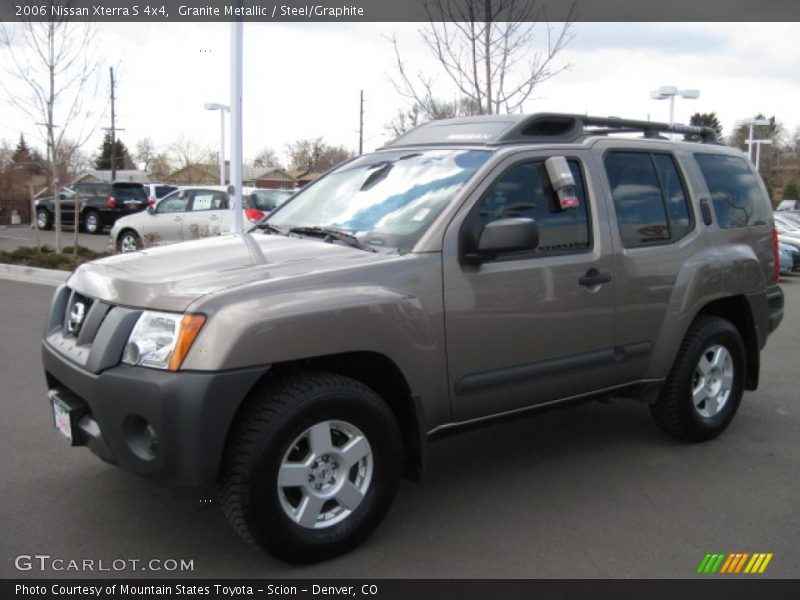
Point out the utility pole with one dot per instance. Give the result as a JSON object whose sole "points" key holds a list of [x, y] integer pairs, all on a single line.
{"points": [[113, 129], [361, 125]]}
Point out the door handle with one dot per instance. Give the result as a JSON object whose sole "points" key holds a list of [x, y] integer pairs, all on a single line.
{"points": [[214, 217], [594, 277], [178, 219]]}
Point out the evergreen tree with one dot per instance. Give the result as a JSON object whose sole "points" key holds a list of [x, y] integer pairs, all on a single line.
{"points": [[22, 153], [123, 158], [790, 191], [706, 120]]}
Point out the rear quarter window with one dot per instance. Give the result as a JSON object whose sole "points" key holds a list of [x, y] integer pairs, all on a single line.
{"points": [[735, 192], [128, 192]]}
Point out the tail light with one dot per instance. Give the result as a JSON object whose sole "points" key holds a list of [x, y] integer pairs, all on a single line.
{"points": [[151, 201], [776, 275], [111, 202], [253, 214]]}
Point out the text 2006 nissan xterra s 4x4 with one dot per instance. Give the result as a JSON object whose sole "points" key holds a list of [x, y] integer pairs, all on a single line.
{"points": [[472, 269]]}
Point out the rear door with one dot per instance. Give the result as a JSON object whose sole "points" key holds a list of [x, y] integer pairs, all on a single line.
{"points": [[530, 328], [655, 231], [206, 215]]}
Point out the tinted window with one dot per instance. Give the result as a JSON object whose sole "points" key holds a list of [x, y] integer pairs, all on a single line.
{"points": [[268, 200], [174, 203], [525, 191], [735, 192], [649, 198], [130, 192], [163, 190]]}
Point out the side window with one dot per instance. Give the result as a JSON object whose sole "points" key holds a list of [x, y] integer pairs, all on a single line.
{"points": [[649, 198], [525, 191], [172, 204], [208, 200], [735, 193]]}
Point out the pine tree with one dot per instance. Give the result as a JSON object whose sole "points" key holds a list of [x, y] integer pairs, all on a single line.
{"points": [[22, 153], [123, 158]]}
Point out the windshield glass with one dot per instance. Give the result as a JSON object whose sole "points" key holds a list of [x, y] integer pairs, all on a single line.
{"points": [[386, 199]]}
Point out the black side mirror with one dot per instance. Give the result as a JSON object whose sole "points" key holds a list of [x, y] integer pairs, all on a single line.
{"points": [[62, 196], [513, 234]]}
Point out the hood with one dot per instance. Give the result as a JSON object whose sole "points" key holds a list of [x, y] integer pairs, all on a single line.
{"points": [[170, 278]]}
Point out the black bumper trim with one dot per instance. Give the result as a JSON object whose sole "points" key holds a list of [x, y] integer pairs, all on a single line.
{"points": [[190, 411]]}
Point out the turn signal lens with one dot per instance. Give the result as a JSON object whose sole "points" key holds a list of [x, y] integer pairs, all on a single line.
{"points": [[189, 328]]}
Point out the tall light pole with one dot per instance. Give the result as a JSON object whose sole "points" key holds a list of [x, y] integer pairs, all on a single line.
{"points": [[222, 109], [237, 33], [670, 91], [750, 141]]}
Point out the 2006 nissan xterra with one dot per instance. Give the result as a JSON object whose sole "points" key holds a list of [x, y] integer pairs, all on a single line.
{"points": [[472, 269]]}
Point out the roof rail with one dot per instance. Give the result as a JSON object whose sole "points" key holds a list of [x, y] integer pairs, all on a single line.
{"points": [[540, 128]]}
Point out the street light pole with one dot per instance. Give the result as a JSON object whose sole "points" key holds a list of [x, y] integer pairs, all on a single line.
{"points": [[222, 109], [237, 33], [750, 141], [670, 91]]}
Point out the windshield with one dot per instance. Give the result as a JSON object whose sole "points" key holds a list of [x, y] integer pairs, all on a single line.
{"points": [[385, 199]]}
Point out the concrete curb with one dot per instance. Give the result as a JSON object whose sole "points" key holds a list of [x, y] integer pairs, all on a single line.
{"points": [[33, 275]]}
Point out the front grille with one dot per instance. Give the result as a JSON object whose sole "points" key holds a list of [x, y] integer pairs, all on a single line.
{"points": [[75, 315], [82, 318]]}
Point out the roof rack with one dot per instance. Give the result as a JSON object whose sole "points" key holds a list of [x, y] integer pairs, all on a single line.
{"points": [[540, 128]]}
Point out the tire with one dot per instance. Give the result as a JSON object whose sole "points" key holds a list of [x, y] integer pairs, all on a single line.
{"points": [[711, 343], [129, 241], [273, 429], [92, 223], [44, 220]]}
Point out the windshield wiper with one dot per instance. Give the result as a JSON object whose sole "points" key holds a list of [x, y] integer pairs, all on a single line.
{"points": [[333, 234], [270, 228]]}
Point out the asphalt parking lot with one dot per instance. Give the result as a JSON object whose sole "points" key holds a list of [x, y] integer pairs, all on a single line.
{"points": [[590, 492], [12, 237]]}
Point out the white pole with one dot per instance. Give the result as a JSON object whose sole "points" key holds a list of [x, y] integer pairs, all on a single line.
{"points": [[758, 157], [750, 143], [237, 225], [672, 109], [222, 146]]}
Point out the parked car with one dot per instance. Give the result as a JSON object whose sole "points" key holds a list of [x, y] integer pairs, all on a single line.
{"points": [[156, 191], [474, 269], [189, 213], [790, 258], [99, 205], [789, 205]]}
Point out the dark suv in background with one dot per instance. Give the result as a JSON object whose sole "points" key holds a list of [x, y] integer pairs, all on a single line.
{"points": [[99, 205]]}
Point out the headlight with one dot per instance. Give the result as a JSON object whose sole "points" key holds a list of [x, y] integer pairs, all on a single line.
{"points": [[162, 340]]}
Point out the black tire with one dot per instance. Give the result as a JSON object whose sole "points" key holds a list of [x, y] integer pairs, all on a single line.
{"points": [[92, 224], [675, 411], [45, 221], [129, 241], [267, 424]]}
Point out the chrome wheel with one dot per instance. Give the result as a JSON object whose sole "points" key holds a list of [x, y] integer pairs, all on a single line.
{"points": [[713, 381], [91, 223], [41, 219], [325, 474], [128, 243]]}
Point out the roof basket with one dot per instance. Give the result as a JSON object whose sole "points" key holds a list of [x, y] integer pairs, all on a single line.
{"points": [[568, 128]]}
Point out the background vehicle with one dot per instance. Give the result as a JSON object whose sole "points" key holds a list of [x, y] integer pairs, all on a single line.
{"points": [[475, 269], [190, 213], [156, 191], [100, 205], [790, 258], [789, 205]]}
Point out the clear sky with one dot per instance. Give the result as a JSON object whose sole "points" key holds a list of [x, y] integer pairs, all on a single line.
{"points": [[303, 80]]}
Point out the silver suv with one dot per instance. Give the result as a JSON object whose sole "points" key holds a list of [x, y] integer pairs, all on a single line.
{"points": [[473, 269]]}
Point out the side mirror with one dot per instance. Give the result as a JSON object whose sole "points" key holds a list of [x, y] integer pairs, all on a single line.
{"points": [[151, 209], [62, 196], [513, 234]]}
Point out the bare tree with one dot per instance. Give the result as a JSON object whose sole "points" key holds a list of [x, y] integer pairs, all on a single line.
{"points": [[56, 62], [183, 153], [266, 158], [315, 155], [486, 49]]}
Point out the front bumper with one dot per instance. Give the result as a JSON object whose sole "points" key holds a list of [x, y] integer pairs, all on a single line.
{"points": [[116, 412]]}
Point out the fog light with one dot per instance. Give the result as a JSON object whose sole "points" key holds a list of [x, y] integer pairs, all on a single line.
{"points": [[135, 350], [141, 437]]}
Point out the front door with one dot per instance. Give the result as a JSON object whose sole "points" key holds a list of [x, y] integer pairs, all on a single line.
{"points": [[533, 327]]}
